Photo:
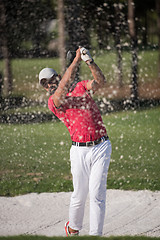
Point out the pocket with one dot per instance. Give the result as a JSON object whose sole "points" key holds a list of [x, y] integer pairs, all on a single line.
{"points": [[72, 153]]}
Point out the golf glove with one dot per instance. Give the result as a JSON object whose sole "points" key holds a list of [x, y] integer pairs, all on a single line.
{"points": [[85, 55]]}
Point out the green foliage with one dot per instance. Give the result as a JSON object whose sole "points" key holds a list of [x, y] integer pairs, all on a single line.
{"points": [[25, 76], [24, 22], [135, 143], [25, 71], [35, 157], [79, 237]]}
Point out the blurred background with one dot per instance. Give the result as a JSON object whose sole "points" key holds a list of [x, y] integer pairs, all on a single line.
{"points": [[124, 40], [123, 37]]}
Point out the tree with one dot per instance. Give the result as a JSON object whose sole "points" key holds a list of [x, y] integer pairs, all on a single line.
{"points": [[158, 27], [118, 26], [73, 29], [132, 31], [76, 28], [61, 24], [5, 51], [21, 21]]}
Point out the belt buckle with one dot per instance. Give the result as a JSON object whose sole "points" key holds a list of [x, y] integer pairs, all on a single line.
{"points": [[102, 139], [89, 144]]}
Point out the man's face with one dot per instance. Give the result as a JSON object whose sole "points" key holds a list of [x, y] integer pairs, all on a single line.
{"points": [[53, 83]]}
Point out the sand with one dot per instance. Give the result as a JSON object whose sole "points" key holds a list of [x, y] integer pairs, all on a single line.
{"points": [[127, 213]]}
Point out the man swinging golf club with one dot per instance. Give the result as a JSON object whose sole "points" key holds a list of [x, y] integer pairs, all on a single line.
{"points": [[91, 148]]}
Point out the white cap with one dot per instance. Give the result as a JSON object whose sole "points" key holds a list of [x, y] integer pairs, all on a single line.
{"points": [[46, 73]]}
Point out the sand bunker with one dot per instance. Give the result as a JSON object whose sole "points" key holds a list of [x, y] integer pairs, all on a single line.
{"points": [[127, 213]]}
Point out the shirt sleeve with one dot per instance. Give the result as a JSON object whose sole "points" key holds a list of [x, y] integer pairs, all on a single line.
{"points": [[58, 112], [51, 105], [84, 84]]}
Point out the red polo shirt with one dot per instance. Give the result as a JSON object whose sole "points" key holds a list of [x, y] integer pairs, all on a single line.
{"points": [[80, 114]]}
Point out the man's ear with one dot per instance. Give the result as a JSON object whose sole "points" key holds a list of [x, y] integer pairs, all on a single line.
{"points": [[59, 76]]}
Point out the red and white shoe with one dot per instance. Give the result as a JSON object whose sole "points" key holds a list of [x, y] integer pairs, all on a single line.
{"points": [[68, 234]]}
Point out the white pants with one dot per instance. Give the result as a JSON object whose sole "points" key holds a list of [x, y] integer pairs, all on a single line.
{"points": [[89, 168]]}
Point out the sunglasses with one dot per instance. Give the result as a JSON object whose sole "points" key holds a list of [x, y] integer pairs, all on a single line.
{"points": [[54, 80]]}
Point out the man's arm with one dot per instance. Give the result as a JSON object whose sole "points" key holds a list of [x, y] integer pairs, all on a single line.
{"points": [[99, 79], [68, 77], [98, 76]]}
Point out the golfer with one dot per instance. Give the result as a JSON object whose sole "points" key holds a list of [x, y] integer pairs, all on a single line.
{"points": [[91, 148]]}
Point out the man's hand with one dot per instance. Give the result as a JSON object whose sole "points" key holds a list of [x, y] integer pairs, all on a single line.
{"points": [[78, 55], [85, 55]]}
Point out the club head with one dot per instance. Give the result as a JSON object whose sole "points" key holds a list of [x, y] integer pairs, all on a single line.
{"points": [[70, 55]]}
